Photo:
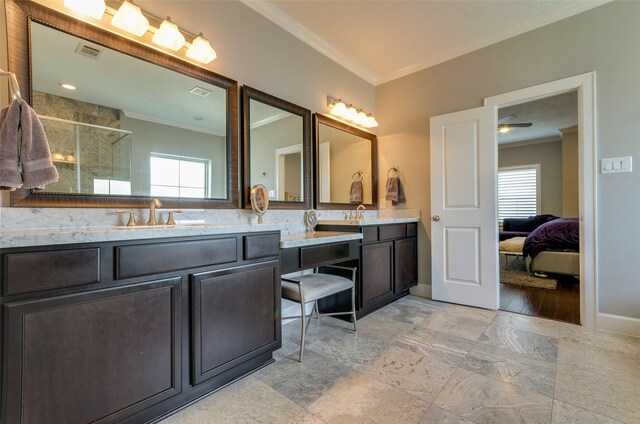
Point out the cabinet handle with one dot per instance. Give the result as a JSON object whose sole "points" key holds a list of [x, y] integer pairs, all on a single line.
{"points": [[436, 218]]}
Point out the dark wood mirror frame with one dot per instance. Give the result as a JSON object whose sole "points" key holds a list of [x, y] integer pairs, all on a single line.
{"points": [[325, 120], [249, 93], [19, 16]]}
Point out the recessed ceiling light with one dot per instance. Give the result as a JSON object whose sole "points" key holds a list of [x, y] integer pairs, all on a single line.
{"points": [[198, 118], [67, 86], [504, 130]]}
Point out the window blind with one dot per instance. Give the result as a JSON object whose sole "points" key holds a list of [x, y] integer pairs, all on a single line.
{"points": [[517, 192]]}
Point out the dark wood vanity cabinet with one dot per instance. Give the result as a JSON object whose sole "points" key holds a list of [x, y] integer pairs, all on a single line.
{"points": [[126, 346], [388, 265]]}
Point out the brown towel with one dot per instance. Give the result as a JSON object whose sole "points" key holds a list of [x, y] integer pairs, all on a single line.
{"points": [[355, 192], [35, 157], [10, 178], [395, 192], [258, 196]]}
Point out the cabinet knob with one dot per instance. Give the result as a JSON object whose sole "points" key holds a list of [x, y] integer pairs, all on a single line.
{"points": [[436, 218]]}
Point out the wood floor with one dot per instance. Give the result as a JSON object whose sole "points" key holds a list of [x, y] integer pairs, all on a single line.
{"points": [[562, 304]]}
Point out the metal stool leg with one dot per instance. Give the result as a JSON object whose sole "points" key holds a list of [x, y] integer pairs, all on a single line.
{"points": [[303, 320]]}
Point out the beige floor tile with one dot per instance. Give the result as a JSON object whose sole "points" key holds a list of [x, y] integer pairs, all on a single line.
{"points": [[306, 418], [384, 327], [484, 400], [415, 374], [598, 393], [437, 345], [600, 361], [245, 401], [458, 321], [437, 415], [509, 367], [601, 339], [348, 348], [544, 327], [363, 399], [563, 413], [524, 342]]}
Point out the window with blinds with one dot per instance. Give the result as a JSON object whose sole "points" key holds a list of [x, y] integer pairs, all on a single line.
{"points": [[518, 191]]}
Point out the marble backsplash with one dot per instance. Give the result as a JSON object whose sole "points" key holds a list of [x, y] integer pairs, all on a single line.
{"points": [[12, 219]]}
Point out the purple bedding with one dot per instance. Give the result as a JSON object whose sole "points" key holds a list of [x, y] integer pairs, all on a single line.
{"points": [[559, 234]]}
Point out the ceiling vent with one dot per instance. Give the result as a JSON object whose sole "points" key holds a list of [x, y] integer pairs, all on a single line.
{"points": [[199, 91], [88, 51]]}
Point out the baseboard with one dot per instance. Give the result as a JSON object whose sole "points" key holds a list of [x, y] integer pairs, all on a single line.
{"points": [[618, 324], [422, 290]]}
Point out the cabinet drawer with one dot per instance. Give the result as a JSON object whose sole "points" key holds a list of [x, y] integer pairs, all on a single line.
{"points": [[369, 234], [412, 229], [394, 231], [261, 246], [146, 259], [35, 271], [317, 255]]}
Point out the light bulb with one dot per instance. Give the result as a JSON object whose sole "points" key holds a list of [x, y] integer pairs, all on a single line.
{"points": [[362, 118], [93, 8], [338, 108], [169, 36], [351, 114], [371, 121], [130, 18], [201, 50]]}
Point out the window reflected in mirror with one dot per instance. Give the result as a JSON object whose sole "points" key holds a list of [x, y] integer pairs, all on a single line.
{"points": [[118, 125]]}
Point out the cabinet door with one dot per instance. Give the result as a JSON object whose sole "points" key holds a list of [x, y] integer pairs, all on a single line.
{"points": [[377, 272], [405, 264], [236, 317], [92, 357]]}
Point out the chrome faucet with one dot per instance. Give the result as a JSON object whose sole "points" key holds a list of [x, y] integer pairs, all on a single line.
{"points": [[155, 203], [360, 211]]}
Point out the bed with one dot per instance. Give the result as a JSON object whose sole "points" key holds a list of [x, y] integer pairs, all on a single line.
{"points": [[553, 248]]}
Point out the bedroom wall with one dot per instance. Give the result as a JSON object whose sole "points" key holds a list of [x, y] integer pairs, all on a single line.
{"points": [[570, 175], [604, 40], [549, 156]]}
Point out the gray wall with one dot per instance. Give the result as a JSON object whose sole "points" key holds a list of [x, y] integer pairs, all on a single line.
{"points": [[605, 40], [549, 156]]}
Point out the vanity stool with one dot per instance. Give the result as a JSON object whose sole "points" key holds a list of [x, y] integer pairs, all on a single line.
{"points": [[312, 287]]}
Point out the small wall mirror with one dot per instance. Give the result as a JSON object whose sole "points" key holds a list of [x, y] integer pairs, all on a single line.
{"points": [[125, 123], [346, 162], [277, 149], [259, 200]]}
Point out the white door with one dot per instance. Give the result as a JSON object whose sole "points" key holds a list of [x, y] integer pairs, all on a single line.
{"points": [[464, 226]]}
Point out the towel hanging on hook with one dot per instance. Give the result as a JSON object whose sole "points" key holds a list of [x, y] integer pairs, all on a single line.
{"points": [[395, 169], [356, 175], [14, 87]]}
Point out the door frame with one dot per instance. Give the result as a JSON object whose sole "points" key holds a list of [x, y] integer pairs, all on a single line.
{"points": [[585, 85]]}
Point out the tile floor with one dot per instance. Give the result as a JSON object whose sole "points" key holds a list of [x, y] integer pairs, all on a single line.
{"points": [[423, 362]]}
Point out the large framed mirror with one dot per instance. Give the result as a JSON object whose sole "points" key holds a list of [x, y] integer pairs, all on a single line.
{"points": [[125, 123], [276, 149], [346, 165]]}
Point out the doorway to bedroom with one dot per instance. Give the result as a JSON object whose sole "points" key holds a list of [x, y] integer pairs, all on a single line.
{"points": [[538, 208]]}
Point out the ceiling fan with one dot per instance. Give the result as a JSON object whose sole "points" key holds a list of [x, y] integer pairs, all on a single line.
{"points": [[504, 127]]}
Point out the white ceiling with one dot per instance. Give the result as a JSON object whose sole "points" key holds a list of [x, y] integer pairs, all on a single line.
{"points": [[386, 39]]}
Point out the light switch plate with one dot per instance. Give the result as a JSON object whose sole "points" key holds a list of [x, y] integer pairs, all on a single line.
{"points": [[616, 165]]}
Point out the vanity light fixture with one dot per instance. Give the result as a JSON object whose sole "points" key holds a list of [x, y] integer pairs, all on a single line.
{"points": [[93, 8], [129, 18], [504, 130], [349, 113], [169, 35], [201, 50]]}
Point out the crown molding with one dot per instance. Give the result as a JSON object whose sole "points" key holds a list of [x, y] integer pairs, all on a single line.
{"points": [[269, 120], [286, 22], [155, 120]]}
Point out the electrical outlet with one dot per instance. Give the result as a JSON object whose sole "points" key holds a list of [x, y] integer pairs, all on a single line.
{"points": [[616, 165]]}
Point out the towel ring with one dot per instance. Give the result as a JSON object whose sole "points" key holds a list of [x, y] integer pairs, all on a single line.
{"points": [[14, 87], [356, 174], [393, 169]]}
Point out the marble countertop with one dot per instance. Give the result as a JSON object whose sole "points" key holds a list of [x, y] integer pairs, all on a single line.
{"points": [[318, 237], [367, 221], [69, 235]]}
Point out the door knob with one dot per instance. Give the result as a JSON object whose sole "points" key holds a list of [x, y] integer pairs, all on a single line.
{"points": [[436, 218]]}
